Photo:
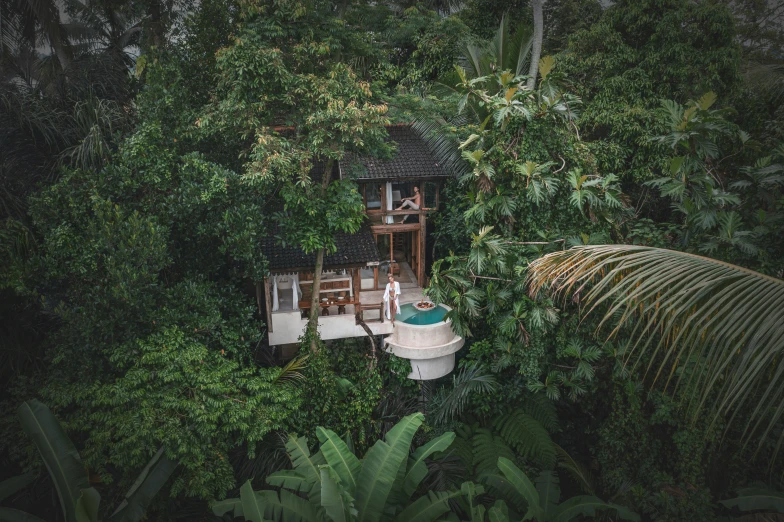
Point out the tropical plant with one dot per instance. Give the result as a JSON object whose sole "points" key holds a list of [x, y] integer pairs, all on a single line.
{"points": [[517, 432], [471, 379], [334, 485], [760, 503], [679, 309], [540, 501], [508, 50], [79, 501]]}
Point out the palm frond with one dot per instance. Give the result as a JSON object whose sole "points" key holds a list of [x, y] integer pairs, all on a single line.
{"points": [[471, 379], [291, 373], [711, 329], [442, 143]]}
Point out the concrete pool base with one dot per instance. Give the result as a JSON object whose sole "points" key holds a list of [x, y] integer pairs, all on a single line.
{"points": [[430, 348]]}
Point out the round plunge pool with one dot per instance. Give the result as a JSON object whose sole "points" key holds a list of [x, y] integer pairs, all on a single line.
{"points": [[426, 339], [410, 315]]}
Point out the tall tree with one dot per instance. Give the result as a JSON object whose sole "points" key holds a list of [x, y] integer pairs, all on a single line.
{"points": [[536, 50], [283, 91]]}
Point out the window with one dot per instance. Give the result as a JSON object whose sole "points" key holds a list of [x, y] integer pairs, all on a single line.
{"points": [[372, 196]]}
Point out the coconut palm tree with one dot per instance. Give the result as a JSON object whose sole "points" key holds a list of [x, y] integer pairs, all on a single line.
{"points": [[711, 330]]}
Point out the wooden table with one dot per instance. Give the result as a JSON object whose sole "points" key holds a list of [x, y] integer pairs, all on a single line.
{"points": [[341, 304]]}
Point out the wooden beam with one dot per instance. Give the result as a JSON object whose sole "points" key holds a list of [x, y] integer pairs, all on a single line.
{"points": [[288, 270], [269, 303], [407, 212], [375, 277], [388, 229]]}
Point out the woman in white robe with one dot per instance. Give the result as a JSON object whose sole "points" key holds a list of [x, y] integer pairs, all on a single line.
{"points": [[392, 293]]}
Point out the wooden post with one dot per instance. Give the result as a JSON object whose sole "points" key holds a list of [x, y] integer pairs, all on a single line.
{"points": [[421, 249], [414, 250], [356, 280], [269, 303], [391, 249], [375, 277]]}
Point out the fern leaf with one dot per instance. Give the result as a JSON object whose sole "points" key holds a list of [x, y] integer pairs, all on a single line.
{"points": [[528, 437]]}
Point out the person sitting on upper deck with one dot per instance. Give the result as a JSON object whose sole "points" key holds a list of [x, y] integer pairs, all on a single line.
{"points": [[412, 202]]}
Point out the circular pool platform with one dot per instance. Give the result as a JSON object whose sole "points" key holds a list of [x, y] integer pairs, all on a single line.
{"points": [[426, 339]]}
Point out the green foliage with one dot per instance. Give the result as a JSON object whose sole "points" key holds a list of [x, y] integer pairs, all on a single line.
{"points": [[143, 264], [343, 391], [651, 458], [540, 501], [341, 487], [763, 502], [424, 45], [129, 281], [638, 53], [79, 501]]}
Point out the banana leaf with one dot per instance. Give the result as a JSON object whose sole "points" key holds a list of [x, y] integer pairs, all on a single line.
{"points": [[58, 453]]}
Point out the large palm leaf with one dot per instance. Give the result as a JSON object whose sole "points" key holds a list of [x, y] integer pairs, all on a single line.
{"points": [[57, 452], [713, 329]]}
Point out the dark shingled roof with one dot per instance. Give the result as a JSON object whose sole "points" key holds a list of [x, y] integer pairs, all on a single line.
{"points": [[353, 249], [413, 159]]}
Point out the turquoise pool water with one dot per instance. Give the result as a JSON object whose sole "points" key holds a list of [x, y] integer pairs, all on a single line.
{"points": [[410, 315]]}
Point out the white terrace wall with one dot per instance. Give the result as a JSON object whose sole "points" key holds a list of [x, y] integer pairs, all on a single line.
{"points": [[287, 327]]}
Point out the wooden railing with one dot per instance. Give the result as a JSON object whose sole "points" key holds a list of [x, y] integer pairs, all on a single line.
{"points": [[359, 310]]}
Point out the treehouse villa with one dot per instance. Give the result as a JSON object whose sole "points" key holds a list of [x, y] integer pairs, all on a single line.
{"points": [[354, 277]]}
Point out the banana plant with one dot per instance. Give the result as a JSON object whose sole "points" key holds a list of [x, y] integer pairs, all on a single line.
{"points": [[334, 485], [521, 499], [79, 501], [759, 503]]}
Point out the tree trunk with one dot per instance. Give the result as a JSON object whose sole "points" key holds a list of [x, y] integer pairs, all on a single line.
{"points": [[314, 300], [370, 335], [536, 50]]}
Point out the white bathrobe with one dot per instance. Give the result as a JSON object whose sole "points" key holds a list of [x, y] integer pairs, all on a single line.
{"points": [[397, 299]]}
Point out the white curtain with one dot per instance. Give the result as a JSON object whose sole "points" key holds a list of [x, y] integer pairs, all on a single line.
{"points": [[390, 219], [283, 280], [296, 292], [275, 304]]}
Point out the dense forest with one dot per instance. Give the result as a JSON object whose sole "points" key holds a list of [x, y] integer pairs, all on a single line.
{"points": [[609, 244]]}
